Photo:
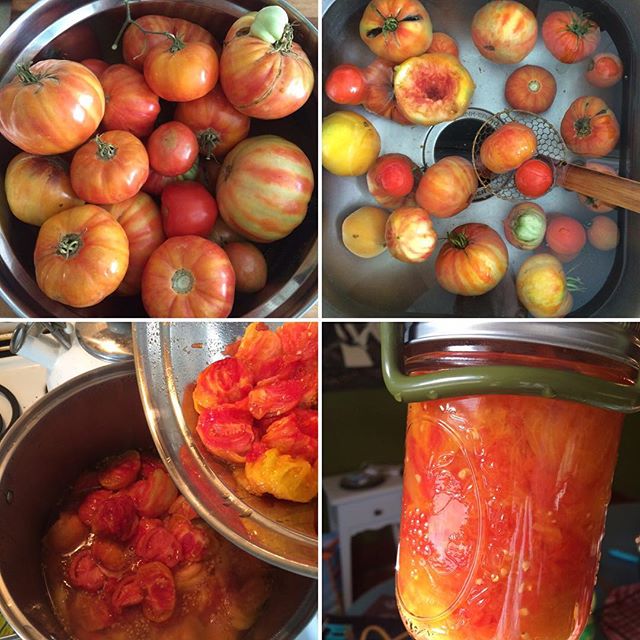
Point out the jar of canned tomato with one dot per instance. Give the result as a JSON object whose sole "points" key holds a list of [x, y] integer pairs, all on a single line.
{"points": [[511, 444]]}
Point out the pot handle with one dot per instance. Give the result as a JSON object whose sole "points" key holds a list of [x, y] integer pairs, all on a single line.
{"points": [[499, 379]]}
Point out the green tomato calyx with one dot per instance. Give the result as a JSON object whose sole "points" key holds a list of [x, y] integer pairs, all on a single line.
{"points": [[270, 25]]}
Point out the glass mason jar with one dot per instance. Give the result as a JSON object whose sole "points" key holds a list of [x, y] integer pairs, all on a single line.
{"points": [[511, 444]]}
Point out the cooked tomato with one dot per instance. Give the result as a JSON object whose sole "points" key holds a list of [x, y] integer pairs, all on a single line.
{"points": [[299, 340], [182, 508], [223, 382], [84, 573], [154, 495], [127, 593], [260, 350], [227, 432], [156, 581], [89, 506], [148, 464], [109, 555], [192, 538], [159, 544], [67, 533], [188, 209], [120, 471], [115, 518], [286, 436], [172, 148], [346, 85], [274, 399]]}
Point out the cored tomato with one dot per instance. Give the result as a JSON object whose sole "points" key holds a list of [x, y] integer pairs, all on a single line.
{"points": [[88, 507], [396, 29], [218, 125], [115, 518], [141, 220], [159, 544], [154, 495], [127, 593], [181, 72], [109, 555], [227, 432], [193, 539], [66, 89], [84, 573], [131, 105], [589, 127], [570, 36], [225, 381], [81, 256], [110, 168], [380, 94], [158, 587], [346, 85], [121, 471], [188, 209], [472, 261], [285, 435], [275, 398]]}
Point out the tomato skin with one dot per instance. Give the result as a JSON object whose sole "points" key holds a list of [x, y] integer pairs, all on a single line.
{"points": [[96, 66], [225, 381], [38, 187], [472, 261], [218, 125], [131, 105], [84, 573], [346, 85], [259, 80], [158, 587], [531, 88], [188, 209], [249, 265], [380, 94], [264, 188], [605, 70], [570, 36], [396, 29], [120, 471], [136, 44], [65, 88], [188, 277], [110, 168], [508, 147], [94, 268], [589, 127], [153, 495], [186, 74], [141, 220], [172, 149], [534, 178]]}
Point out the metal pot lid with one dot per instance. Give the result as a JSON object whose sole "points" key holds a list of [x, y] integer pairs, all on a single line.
{"points": [[168, 357], [619, 341], [110, 341]]}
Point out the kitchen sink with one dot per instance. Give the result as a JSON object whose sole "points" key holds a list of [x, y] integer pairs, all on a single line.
{"points": [[385, 287]]}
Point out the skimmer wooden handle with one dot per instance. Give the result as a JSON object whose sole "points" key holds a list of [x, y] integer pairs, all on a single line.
{"points": [[614, 190]]}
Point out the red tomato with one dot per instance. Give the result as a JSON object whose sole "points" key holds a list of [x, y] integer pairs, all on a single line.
{"points": [[566, 237], [109, 555], [154, 495], [156, 183], [286, 436], [472, 261], [120, 471], [531, 88], [159, 544], [182, 508], [84, 573], [158, 587], [391, 178], [380, 97], [110, 168], [346, 85], [188, 277], [149, 464], [188, 209], [396, 29], [127, 593], [172, 148], [96, 66], [605, 70], [81, 256], [223, 382], [264, 80], [87, 510], [217, 123], [264, 188], [299, 340], [192, 538], [534, 178], [589, 127], [146, 524], [68, 90], [115, 518], [227, 432], [183, 72], [275, 399], [141, 220], [136, 44], [249, 265], [570, 36], [131, 105], [90, 612]]}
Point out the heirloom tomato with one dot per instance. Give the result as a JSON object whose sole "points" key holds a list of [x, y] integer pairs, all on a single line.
{"points": [[180, 72], [218, 125], [156, 183], [188, 277], [508, 147], [472, 261], [443, 43], [249, 266], [605, 70], [391, 179], [363, 232], [96, 66], [81, 256], [570, 36], [531, 88], [534, 178], [188, 209], [51, 106], [590, 128], [38, 187], [566, 237], [136, 44], [346, 85], [140, 218], [380, 97], [603, 233], [110, 168], [525, 226], [131, 105], [542, 287], [396, 29], [266, 80], [409, 234], [172, 149], [264, 188]]}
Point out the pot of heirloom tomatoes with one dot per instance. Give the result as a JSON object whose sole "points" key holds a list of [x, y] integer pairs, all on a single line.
{"points": [[200, 116], [511, 444], [100, 544]]}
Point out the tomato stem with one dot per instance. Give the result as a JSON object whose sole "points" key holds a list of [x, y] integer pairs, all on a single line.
{"points": [[459, 240], [583, 126], [209, 140], [23, 71], [176, 43], [286, 41], [534, 86], [105, 151], [182, 281], [69, 245]]}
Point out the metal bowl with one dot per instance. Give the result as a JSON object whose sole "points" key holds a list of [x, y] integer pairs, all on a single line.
{"points": [[292, 286], [169, 357], [70, 429]]}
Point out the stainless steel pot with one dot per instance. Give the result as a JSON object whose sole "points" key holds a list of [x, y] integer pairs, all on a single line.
{"points": [[292, 286], [70, 429]]}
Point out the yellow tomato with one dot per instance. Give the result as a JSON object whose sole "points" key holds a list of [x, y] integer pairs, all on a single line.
{"points": [[542, 287], [350, 144], [363, 232]]}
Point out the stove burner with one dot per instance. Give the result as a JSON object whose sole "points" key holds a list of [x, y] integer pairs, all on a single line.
{"points": [[15, 409]]}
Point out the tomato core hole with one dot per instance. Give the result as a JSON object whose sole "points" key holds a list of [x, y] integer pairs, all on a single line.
{"points": [[182, 281], [69, 245]]}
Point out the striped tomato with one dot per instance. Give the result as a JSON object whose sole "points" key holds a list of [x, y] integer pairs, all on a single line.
{"points": [[447, 187], [590, 127], [570, 36], [472, 261], [264, 80], [140, 218], [264, 188], [66, 89]]}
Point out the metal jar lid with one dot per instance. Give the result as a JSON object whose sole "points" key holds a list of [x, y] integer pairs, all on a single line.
{"points": [[617, 342]]}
